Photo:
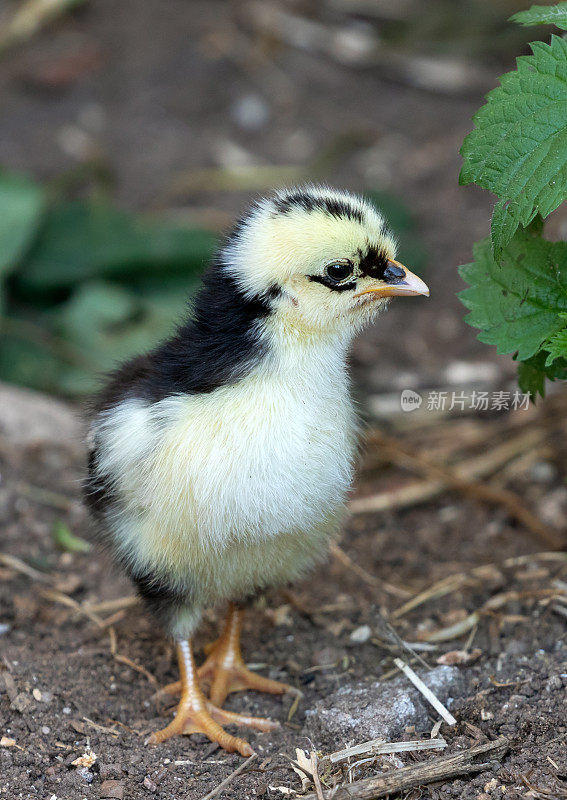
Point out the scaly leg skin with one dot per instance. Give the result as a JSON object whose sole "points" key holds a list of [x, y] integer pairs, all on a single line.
{"points": [[225, 669], [195, 714]]}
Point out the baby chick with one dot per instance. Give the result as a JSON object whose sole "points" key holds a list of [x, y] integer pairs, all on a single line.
{"points": [[220, 462]]}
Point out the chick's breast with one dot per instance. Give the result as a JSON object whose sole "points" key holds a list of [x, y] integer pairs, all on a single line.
{"points": [[232, 490]]}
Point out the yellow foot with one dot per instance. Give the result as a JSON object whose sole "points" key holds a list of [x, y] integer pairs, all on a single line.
{"points": [[195, 714], [225, 671], [208, 720]]}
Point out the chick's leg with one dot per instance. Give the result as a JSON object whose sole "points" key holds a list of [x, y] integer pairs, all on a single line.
{"points": [[195, 714], [225, 669]]}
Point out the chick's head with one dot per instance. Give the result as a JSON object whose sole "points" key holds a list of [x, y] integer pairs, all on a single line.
{"points": [[325, 259]]}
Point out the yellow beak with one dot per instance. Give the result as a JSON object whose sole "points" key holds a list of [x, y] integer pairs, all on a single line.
{"points": [[407, 283]]}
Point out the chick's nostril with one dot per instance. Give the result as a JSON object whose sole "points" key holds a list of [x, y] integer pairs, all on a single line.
{"points": [[393, 273]]}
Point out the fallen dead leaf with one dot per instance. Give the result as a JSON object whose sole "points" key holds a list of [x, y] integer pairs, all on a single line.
{"points": [[5, 741], [305, 763]]}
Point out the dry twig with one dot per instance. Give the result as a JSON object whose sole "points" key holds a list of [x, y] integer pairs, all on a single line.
{"points": [[380, 747], [371, 580], [65, 600], [461, 477], [30, 17], [451, 583], [16, 564], [442, 768], [101, 728], [492, 604], [45, 497], [425, 691], [223, 784], [316, 779], [119, 604], [390, 634]]}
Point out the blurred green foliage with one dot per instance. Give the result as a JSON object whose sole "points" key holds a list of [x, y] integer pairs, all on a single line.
{"points": [[66, 540], [463, 28], [84, 284]]}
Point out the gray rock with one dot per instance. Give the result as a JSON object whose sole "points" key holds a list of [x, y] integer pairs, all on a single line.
{"points": [[362, 711], [29, 418]]}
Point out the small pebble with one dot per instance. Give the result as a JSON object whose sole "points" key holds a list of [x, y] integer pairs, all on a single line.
{"points": [[66, 710], [46, 729], [86, 774], [4, 628], [327, 656], [554, 684], [543, 472], [361, 634], [250, 112], [149, 784], [553, 506], [112, 789]]}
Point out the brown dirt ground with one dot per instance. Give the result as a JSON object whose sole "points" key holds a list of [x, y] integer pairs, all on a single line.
{"points": [[65, 691]]}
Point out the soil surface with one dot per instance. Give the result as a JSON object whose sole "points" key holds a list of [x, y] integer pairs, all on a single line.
{"points": [[79, 685], [146, 92]]}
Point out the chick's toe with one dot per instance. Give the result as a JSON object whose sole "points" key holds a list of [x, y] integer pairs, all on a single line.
{"points": [[225, 671]]}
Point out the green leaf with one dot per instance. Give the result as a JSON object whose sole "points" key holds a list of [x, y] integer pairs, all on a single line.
{"points": [[556, 346], [67, 541], [543, 15], [531, 377], [517, 304], [83, 241], [518, 149], [533, 373], [21, 204]]}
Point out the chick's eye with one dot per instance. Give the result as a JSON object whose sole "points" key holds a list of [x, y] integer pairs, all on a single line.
{"points": [[339, 271]]}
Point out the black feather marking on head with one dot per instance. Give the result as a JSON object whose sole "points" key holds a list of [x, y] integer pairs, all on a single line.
{"points": [[340, 208], [217, 345], [336, 287], [373, 263]]}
